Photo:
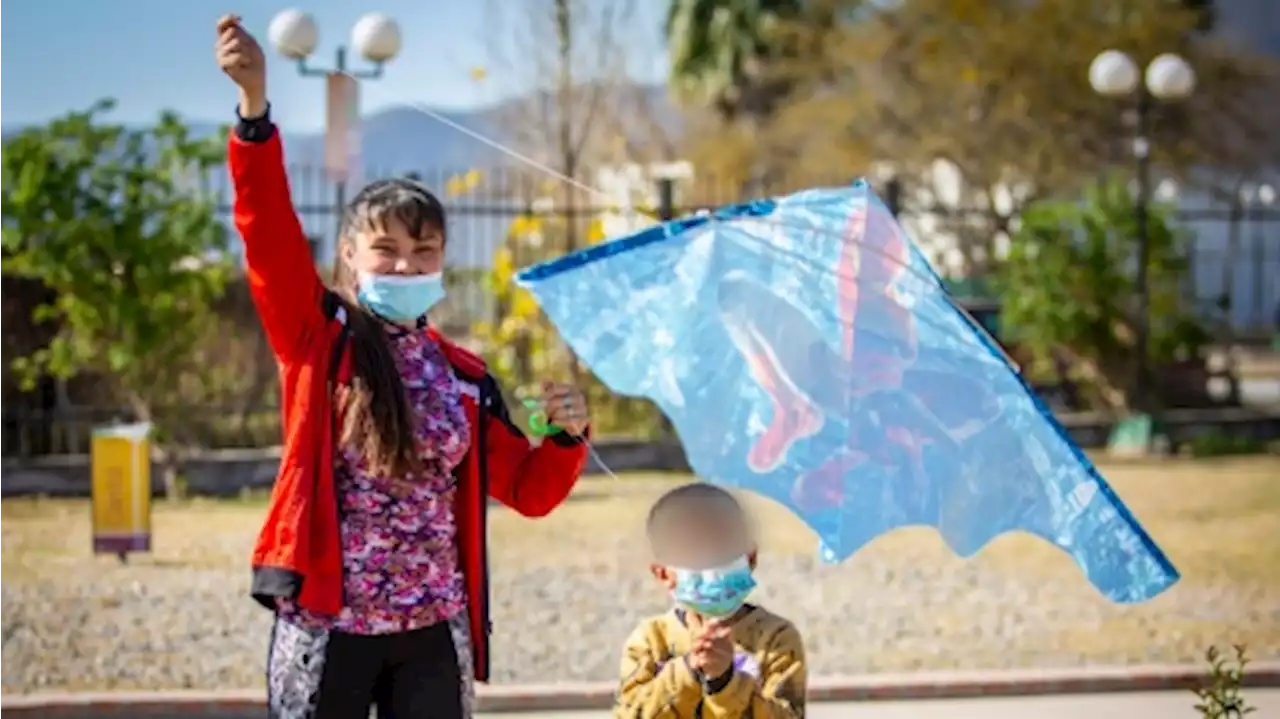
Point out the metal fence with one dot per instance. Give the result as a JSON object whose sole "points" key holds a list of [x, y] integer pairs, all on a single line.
{"points": [[1235, 255], [69, 431]]}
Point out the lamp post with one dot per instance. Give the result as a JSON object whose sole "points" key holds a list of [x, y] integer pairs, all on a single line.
{"points": [[1167, 78], [375, 36], [665, 175]]}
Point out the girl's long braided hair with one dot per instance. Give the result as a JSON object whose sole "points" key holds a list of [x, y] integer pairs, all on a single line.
{"points": [[375, 412]]}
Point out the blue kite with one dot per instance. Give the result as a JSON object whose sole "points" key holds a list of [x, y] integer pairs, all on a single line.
{"points": [[804, 349]]}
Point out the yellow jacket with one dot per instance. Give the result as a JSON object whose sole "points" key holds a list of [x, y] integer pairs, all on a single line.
{"points": [[768, 679]]}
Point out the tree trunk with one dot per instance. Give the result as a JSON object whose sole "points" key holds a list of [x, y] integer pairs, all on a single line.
{"points": [[1226, 300], [166, 458], [568, 147], [1095, 376]]}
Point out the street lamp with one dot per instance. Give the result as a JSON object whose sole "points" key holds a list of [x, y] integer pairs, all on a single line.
{"points": [[375, 36], [1167, 78]]}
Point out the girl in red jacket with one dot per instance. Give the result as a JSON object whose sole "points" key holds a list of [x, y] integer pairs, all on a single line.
{"points": [[372, 554]]}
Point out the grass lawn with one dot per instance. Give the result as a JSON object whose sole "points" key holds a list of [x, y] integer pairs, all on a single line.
{"points": [[1219, 521]]}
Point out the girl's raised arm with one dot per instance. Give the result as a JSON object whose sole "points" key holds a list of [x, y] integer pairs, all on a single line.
{"points": [[282, 276]]}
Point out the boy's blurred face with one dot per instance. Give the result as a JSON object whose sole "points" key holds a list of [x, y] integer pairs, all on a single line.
{"points": [[699, 535]]}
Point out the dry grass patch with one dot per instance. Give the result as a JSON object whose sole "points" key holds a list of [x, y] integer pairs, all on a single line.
{"points": [[1218, 520]]}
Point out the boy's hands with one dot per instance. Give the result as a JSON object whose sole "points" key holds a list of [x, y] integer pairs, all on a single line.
{"points": [[241, 58], [712, 652]]}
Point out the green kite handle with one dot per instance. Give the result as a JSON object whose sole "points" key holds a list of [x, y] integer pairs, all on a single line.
{"points": [[538, 422]]}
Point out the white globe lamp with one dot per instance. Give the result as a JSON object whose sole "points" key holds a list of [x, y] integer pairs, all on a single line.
{"points": [[1113, 73], [294, 34], [376, 37], [1167, 191], [1169, 77], [1267, 195]]}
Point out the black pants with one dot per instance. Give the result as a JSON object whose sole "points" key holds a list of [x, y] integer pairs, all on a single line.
{"points": [[315, 674]]}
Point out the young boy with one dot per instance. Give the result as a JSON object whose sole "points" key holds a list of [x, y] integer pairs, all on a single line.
{"points": [[713, 656]]}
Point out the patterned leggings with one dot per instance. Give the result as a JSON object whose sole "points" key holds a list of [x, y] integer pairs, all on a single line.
{"points": [[317, 674]]}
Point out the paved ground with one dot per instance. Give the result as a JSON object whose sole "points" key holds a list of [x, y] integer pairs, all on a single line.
{"points": [[1158, 705]]}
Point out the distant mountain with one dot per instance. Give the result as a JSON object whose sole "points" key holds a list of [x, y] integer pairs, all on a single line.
{"points": [[401, 139], [405, 139]]}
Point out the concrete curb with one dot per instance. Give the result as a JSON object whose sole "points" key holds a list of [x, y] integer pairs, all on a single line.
{"points": [[566, 697]]}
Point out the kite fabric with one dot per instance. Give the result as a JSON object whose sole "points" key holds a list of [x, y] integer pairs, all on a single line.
{"points": [[804, 349]]}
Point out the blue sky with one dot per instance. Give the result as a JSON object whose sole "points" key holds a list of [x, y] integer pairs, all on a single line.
{"points": [[149, 55]]}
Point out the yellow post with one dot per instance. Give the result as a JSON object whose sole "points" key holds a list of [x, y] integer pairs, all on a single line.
{"points": [[121, 467]]}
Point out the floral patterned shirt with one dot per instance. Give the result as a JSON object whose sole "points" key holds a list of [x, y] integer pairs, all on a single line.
{"points": [[399, 548]]}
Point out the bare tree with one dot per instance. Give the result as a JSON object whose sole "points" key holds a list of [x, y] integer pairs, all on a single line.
{"points": [[563, 67], [563, 70]]}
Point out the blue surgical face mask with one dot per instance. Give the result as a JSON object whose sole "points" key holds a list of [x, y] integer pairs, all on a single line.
{"points": [[400, 298], [716, 592]]}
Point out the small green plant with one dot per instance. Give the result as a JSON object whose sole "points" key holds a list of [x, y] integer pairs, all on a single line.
{"points": [[1218, 444], [1220, 698]]}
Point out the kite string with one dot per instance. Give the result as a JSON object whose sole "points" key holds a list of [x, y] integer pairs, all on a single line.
{"points": [[591, 449], [540, 429], [515, 154]]}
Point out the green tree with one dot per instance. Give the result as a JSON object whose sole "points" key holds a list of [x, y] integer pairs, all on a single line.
{"points": [[567, 61], [962, 101], [721, 51], [1067, 290], [518, 342], [108, 219], [1206, 12]]}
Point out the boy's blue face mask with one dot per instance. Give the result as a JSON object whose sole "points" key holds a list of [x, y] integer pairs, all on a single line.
{"points": [[717, 592], [400, 298]]}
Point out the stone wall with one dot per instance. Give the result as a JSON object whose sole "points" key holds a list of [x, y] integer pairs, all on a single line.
{"points": [[230, 472]]}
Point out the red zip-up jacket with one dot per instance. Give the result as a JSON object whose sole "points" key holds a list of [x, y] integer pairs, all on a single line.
{"points": [[298, 554]]}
